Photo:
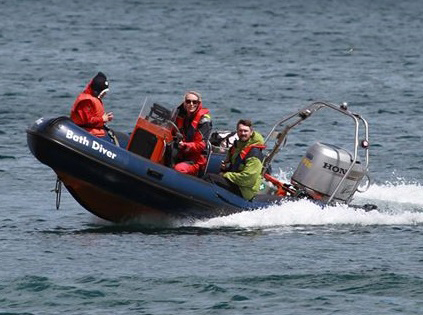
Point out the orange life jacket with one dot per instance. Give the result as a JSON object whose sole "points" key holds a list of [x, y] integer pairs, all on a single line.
{"points": [[192, 136], [189, 131], [248, 151]]}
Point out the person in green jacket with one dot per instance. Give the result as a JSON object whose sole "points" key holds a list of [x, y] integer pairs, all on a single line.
{"points": [[243, 164]]}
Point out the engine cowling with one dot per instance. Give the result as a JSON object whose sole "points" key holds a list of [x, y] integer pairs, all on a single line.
{"points": [[322, 168]]}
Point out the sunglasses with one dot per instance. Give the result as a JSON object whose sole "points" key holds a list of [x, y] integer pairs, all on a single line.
{"points": [[194, 102]]}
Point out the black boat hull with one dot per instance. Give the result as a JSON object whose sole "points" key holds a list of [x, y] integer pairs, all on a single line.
{"points": [[118, 185]]}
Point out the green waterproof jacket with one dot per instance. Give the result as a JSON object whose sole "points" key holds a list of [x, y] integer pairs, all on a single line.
{"points": [[247, 174]]}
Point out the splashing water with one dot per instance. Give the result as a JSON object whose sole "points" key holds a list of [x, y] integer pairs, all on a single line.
{"points": [[401, 192], [395, 210]]}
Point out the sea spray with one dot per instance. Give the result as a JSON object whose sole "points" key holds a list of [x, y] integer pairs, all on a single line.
{"points": [[305, 212], [401, 192]]}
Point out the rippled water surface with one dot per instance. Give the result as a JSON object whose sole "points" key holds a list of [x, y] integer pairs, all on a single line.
{"points": [[249, 59]]}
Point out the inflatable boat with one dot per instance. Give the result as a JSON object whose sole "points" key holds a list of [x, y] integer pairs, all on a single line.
{"points": [[133, 179]]}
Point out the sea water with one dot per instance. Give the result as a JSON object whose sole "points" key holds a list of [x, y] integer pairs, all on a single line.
{"points": [[250, 59]]}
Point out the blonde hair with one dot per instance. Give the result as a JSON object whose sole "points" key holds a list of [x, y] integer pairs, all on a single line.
{"points": [[193, 93]]}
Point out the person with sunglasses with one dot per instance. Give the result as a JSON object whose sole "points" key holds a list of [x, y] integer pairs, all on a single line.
{"points": [[195, 125], [88, 109]]}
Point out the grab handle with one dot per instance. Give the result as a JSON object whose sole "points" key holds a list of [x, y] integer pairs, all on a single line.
{"points": [[154, 174]]}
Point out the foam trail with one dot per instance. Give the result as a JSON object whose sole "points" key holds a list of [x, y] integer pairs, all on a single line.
{"points": [[395, 192], [401, 190], [303, 212]]}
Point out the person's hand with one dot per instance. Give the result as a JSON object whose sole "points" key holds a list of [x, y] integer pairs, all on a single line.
{"points": [[223, 166], [181, 145], [108, 117]]}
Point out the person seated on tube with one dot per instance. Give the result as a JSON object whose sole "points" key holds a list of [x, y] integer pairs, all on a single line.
{"points": [[195, 125], [88, 109], [241, 170]]}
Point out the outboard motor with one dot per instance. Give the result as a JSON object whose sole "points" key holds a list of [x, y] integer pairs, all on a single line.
{"points": [[321, 170]]}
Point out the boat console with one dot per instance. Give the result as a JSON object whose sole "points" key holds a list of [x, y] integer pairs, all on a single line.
{"points": [[152, 135]]}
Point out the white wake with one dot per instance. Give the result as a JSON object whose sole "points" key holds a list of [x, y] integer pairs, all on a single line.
{"points": [[398, 204]]}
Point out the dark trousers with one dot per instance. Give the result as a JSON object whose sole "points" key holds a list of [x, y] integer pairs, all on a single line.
{"points": [[223, 182]]}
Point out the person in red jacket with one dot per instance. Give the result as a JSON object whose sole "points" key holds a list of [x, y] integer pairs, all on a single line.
{"points": [[88, 109], [194, 123]]}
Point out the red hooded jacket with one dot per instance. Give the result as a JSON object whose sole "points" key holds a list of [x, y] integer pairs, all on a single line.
{"points": [[88, 111]]}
